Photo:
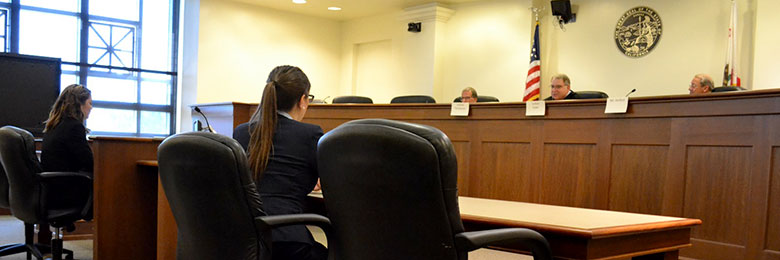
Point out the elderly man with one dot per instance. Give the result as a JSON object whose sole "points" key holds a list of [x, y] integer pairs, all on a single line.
{"points": [[560, 88], [468, 95], [701, 84]]}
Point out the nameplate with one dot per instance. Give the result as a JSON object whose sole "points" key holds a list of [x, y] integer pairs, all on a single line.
{"points": [[534, 108], [618, 105], [459, 109]]}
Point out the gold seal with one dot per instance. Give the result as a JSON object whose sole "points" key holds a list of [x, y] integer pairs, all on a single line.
{"points": [[638, 31]]}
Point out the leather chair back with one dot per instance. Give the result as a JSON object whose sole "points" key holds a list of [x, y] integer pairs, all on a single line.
{"points": [[4, 203], [391, 190], [413, 99], [480, 99], [591, 95], [725, 89], [17, 155], [352, 99], [214, 200]]}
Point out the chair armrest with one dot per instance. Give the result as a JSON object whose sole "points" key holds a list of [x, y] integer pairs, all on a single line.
{"points": [[266, 223], [77, 176], [532, 240]]}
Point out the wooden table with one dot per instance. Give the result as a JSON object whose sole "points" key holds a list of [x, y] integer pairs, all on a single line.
{"points": [[578, 233]]}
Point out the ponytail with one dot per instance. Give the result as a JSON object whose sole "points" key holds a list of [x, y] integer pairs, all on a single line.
{"points": [[283, 90], [262, 135]]}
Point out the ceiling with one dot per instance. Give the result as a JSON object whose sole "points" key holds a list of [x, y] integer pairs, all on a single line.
{"points": [[350, 9]]}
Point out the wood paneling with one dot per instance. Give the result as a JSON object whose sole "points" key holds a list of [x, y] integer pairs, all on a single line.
{"points": [[712, 157], [462, 152], [503, 173], [568, 178], [125, 201], [637, 178], [716, 191], [773, 216]]}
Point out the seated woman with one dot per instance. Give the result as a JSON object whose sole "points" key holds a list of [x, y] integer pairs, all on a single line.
{"points": [[283, 158], [65, 146]]}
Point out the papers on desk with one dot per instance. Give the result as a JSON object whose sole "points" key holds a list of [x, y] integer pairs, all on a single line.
{"points": [[617, 105], [459, 109], [534, 108]]}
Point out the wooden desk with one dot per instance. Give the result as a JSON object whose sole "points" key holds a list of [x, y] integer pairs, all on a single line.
{"points": [[125, 203], [577, 233], [712, 157], [573, 233]]}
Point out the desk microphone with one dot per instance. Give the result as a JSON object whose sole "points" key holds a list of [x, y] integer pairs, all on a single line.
{"points": [[208, 126], [629, 93]]}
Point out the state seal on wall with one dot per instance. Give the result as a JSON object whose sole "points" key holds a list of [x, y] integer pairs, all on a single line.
{"points": [[638, 31]]}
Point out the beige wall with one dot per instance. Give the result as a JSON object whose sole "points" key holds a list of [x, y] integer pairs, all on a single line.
{"points": [[693, 41], [240, 43], [488, 48], [484, 44], [767, 45]]}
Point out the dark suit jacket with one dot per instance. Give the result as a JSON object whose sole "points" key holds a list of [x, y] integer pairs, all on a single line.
{"points": [[291, 172], [65, 148], [572, 95]]}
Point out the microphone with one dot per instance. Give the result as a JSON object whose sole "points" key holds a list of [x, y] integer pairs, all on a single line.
{"points": [[629, 93], [208, 126]]}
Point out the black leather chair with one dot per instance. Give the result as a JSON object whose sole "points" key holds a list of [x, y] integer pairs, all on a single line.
{"points": [[413, 99], [54, 198], [480, 99], [725, 89], [591, 95], [390, 189], [352, 99], [214, 200], [11, 249]]}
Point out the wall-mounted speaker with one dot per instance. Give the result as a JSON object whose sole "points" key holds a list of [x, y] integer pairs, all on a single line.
{"points": [[415, 27], [562, 9]]}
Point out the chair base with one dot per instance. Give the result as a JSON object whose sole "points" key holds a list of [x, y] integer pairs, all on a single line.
{"points": [[33, 249]]}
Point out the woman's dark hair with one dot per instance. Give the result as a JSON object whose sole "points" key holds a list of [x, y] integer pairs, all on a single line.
{"points": [[68, 104], [283, 90]]}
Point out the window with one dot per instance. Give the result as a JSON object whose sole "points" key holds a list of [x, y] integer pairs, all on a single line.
{"points": [[124, 51], [3, 29]]}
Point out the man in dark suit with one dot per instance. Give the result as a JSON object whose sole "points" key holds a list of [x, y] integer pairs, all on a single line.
{"points": [[560, 88]]}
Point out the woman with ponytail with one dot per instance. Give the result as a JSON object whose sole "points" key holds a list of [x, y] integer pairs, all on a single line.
{"points": [[65, 146], [283, 158]]}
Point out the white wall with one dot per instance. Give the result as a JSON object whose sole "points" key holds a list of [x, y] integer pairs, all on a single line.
{"points": [[485, 44], [767, 45], [693, 41], [240, 43], [188, 64], [488, 48]]}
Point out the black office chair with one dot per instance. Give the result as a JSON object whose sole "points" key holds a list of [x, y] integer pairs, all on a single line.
{"points": [[590, 95], [480, 99], [353, 100], [11, 249], [214, 200], [55, 198], [725, 89], [390, 189], [413, 99]]}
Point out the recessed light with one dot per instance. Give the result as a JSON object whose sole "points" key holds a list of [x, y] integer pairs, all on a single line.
{"points": [[299, 1], [334, 8]]}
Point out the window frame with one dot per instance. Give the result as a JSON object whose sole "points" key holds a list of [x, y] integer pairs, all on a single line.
{"points": [[85, 69]]}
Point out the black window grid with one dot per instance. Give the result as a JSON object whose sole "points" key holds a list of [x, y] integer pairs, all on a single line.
{"points": [[86, 69]]}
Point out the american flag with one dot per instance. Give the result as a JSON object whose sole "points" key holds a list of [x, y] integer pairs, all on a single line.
{"points": [[534, 70], [730, 72]]}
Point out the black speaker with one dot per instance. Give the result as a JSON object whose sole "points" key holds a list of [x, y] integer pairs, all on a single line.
{"points": [[562, 9], [415, 27]]}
